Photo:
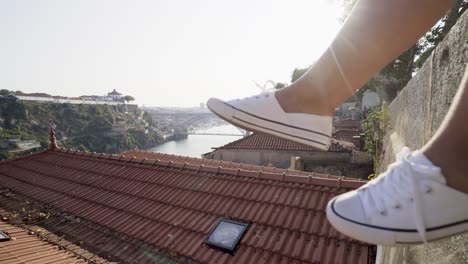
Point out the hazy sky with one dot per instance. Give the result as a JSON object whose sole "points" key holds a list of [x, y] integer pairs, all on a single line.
{"points": [[164, 53]]}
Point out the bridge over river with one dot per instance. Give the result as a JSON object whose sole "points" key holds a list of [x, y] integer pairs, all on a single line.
{"points": [[201, 141]]}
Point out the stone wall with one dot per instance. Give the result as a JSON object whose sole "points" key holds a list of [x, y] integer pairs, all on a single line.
{"points": [[415, 115], [361, 171], [354, 164], [278, 158]]}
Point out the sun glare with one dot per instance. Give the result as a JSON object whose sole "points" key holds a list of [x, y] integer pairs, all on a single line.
{"points": [[157, 50]]}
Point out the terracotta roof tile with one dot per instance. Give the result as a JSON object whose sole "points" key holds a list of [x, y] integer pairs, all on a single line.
{"points": [[268, 142], [346, 134], [348, 124], [125, 205], [232, 168], [40, 246]]}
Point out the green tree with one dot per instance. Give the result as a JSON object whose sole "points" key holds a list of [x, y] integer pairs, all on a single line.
{"points": [[297, 73], [129, 98], [374, 127], [6, 155], [81, 147], [280, 85], [430, 40], [12, 110], [398, 72], [4, 92], [44, 144]]}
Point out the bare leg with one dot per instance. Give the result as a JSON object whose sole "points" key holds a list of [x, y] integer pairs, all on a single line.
{"points": [[375, 32], [448, 148]]}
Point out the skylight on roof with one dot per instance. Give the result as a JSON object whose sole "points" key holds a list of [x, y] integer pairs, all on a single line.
{"points": [[4, 236], [226, 234]]}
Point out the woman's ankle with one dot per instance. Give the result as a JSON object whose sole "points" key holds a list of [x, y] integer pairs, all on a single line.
{"points": [[304, 100], [454, 167]]}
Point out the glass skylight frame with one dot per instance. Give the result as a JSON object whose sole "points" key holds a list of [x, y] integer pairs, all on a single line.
{"points": [[4, 236], [230, 249]]}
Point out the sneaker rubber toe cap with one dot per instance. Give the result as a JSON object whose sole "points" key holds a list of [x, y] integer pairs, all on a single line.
{"points": [[347, 207], [220, 108]]}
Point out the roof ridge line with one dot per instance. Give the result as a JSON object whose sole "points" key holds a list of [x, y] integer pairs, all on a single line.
{"points": [[293, 177], [26, 155], [232, 142]]}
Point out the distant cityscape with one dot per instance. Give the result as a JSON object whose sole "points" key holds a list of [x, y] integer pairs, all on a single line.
{"points": [[112, 98]]}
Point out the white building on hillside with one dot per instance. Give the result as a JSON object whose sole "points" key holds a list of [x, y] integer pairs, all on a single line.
{"points": [[370, 99], [116, 96]]}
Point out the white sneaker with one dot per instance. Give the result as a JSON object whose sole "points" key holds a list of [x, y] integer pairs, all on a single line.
{"points": [[409, 203], [262, 113]]}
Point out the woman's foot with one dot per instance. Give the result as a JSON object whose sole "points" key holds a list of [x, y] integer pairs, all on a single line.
{"points": [[409, 203], [307, 98], [263, 113]]}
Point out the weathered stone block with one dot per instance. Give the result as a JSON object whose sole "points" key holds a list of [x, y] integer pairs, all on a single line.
{"points": [[415, 115]]}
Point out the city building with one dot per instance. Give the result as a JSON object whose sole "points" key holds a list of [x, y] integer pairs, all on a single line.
{"points": [[342, 158], [114, 95], [350, 131], [347, 124], [370, 99], [348, 135], [349, 110]]}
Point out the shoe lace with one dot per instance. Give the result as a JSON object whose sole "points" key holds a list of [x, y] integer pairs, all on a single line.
{"points": [[398, 186], [266, 92]]}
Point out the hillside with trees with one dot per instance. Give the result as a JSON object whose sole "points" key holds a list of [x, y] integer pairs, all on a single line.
{"points": [[98, 128]]}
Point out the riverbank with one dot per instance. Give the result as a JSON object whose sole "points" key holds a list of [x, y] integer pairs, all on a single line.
{"points": [[196, 145]]}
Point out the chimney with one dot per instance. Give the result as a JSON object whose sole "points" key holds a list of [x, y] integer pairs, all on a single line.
{"points": [[53, 142], [358, 141], [296, 163]]}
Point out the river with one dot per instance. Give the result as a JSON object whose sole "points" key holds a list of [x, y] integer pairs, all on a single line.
{"points": [[196, 145]]}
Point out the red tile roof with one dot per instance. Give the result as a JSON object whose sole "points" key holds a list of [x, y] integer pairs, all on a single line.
{"points": [[141, 154], [347, 123], [139, 209], [268, 142], [31, 247], [346, 134]]}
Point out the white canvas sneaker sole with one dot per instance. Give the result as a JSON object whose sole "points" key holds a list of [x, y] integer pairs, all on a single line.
{"points": [[381, 235], [255, 123]]}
